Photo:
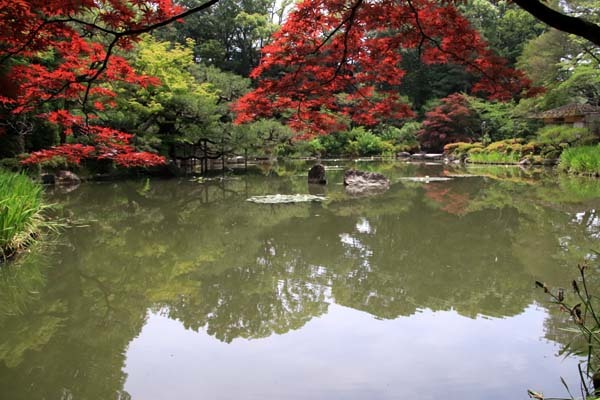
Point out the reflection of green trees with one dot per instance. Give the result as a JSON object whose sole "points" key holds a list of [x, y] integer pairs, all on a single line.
{"points": [[405, 263], [199, 253], [250, 301]]}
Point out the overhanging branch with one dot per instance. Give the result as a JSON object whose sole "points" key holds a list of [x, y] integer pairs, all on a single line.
{"points": [[566, 23]]}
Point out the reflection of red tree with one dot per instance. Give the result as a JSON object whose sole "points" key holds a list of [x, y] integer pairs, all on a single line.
{"points": [[449, 201]]}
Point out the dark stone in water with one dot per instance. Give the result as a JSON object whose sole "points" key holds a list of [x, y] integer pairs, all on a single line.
{"points": [[48, 179], [316, 175]]}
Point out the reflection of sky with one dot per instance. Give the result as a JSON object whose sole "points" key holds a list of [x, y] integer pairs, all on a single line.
{"points": [[364, 253], [363, 226], [591, 222], [347, 354]]}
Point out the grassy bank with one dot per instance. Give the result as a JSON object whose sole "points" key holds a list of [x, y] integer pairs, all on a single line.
{"points": [[494, 157], [21, 212], [583, 160]]}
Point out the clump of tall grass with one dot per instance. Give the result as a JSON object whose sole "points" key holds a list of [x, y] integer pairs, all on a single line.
{"points": [[494, 157], [583, 160], [21, 212]]}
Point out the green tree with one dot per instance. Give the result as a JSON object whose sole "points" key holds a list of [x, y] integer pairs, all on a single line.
{"points": [[500, 121], [506, 27], [180, 109], [266, 137], [541, 57], [191, 104], [230, 34], [582, 86]]}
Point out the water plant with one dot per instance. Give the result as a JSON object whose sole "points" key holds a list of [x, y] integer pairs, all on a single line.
{"points": [[21, 212], [583, 309]]}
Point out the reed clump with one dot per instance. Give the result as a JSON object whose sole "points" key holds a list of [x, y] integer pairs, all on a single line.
{"points": [[584, 160], [583, 308], [22, 212]]}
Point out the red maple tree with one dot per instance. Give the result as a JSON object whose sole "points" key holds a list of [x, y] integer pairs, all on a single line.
{"points": [[450, 122], [54, 57], [339, 60]]}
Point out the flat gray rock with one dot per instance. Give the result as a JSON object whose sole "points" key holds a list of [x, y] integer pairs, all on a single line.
{"points": [[355, 177], [363, 183]]}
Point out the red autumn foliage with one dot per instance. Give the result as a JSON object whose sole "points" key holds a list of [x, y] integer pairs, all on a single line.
{"points": [[109, 144], [330, 47], [72, 153], [452, 121], [51, 51]]}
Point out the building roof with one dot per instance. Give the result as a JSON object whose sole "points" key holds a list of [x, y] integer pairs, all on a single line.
{"points": [[570, 110]]}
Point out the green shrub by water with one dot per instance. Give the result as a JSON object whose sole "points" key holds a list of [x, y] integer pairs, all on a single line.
{"points": [[555, 134], [583, 160], [21, 209], [459, 149]]}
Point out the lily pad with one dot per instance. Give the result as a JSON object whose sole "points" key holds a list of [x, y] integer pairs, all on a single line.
{"points": [[427, 179], [285, 198]]}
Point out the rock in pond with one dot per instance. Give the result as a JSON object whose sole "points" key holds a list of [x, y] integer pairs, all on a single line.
{"points": [[316, 175], [64, 178], [525, 162], [67, 178], [48, 179], [362, 182]]}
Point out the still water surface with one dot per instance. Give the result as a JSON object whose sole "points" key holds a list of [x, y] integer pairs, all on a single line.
{"points": [[172, 289]]}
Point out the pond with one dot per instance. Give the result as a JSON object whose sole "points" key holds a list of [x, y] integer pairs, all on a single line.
{"points": [[175, 289]]}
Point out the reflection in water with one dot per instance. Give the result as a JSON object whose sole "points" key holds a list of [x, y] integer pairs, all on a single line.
{"points": [[349, 355], [131, 303]]}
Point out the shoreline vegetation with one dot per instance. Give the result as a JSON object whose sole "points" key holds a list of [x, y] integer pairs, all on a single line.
{"points": [[580, 304], [578, 160], [22, 213]]}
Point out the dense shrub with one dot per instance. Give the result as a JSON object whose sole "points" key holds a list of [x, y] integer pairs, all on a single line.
{"points": [[460, 149], [315, 147], [403, 138], [355, 142], [10, 164], [581, 160], [335, 143], [369, 144], [506, 151], [506, 146]]}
